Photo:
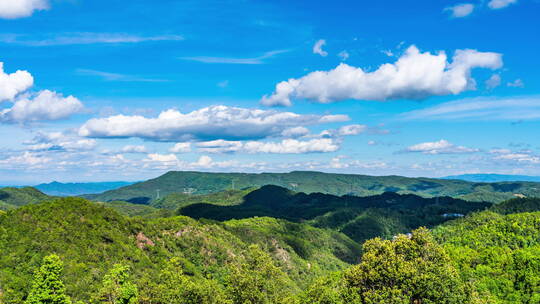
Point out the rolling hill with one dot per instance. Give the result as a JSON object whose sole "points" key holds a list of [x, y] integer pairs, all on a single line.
{"points": [[306, 181], [360, 218], [90, 238], [11, 198]]}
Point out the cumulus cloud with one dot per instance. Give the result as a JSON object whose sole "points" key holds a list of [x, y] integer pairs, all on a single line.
{"points": [[509, 108], [295, 132], [415, 75], [13, 84], [523, 156], [461, 10], [45, 105], [493, 81], [286, 146], [183, 147], [133, 149], [27, 160], [293, 146], [210, 123], [13, 9], [439, 147], [58, 141], [498, 4], [317, 48]]}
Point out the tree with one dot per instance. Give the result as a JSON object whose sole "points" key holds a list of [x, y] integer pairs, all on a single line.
{"points": [[256, 280], [47, 287], [117, 289], [174, 287], [408, 269]]}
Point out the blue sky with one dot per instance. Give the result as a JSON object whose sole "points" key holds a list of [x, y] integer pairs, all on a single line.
{"points": [[109, 90]]}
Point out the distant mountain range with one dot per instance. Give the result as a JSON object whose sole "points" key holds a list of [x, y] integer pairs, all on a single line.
{"points": [[493, 178], [189, 183], [74, 189]]}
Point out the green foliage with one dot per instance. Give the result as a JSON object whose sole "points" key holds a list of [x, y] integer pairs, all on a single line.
{"points": [[48, 287], [360, 218], [500, 254], [117, 288], [91, 238], [517, 205], [174, 201], [256, 280], [408, 269], [174, 286], [311, 182], [11, 198]]}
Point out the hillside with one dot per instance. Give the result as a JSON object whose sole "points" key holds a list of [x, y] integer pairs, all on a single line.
{"points": [[90, 238], [498, 254], [309, 182], [74, 189], [360, 218], [11, 198]]}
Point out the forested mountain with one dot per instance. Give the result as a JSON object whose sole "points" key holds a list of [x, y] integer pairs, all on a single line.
{"points": [[360, 218], [309, 182], [73, 189], [11, 198], [91, 239], [99, 255]]}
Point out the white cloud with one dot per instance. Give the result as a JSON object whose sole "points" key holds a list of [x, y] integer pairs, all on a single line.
{"points": [[295, 132], [27, 160], [204, 161], [45, 105], [518, 83], [461, 10], [344, 55], [13, 84], [493, 81], [415, 75], [58, 141], [215, 122], [233, 60], [286, 146], [163, 158], [133, 149], [317, 48], [497, 4], [220, 146], [12, 9], [83, 38], [510, 108], [351, 130], [439, 147], [293, 146], [523, 156], [183, 147]]}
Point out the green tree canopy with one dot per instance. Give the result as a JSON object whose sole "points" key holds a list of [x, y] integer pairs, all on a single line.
{"points": [[408, 269], [117, 289], [48, 287]]}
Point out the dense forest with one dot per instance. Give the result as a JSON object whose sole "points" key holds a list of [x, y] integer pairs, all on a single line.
{"points": [[312, 182], [268, 245]]}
